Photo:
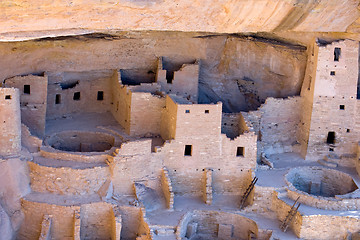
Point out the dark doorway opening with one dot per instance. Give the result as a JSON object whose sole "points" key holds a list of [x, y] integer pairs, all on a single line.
{"points": [[57, 99], [100, 95], [337, 53], [26, 89], [188, 150], [169, 76], [330, 138]]}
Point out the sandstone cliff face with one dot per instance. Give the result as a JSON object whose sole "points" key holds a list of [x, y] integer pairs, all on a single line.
{"points": [[237, 70], [221, 16]]}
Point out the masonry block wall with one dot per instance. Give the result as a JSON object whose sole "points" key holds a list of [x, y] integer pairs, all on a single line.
{"points": [[10, 122], [33, 100], [279, 122], [67, 180], [70, 92], [187, 155], [128, 166], [145, 113], [183, 82], [334, 100], [96, 221], [62, 220], [220, 225], [121, 106]]}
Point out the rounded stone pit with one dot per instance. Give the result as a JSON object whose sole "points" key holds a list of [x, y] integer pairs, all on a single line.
{"points": [[76, 141], [322, 188]]}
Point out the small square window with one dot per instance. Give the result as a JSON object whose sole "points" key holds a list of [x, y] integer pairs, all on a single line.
{"points": [[188, 150], [187, 111], [26, 89], [76, 96], [207, 111], [100, 95], [240, 152], [342, 107], [57, 99], [347, 130], [8, 97], [331, 149], [332, 73]]}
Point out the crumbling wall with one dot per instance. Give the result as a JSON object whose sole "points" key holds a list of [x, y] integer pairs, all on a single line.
{"points": [[62, 220], [183, 82], [96, 221], [70, 92], [279, 122], [128, 166], [230, 124], [33, 100], [219, 225], [65, 180], [10, 122], [332, 227]]}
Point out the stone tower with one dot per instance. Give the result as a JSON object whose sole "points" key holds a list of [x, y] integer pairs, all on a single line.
{"points": [[330, 105], [10, 122]]}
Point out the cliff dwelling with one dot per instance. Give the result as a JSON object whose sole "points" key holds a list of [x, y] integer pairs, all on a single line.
{"points": [[195, 120]]}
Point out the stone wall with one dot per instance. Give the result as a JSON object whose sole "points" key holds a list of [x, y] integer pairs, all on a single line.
{"points": [[10, 122], [64, 180], [332, 227], [216, 224], [168, 119], [33, 100], [183, 82], [334, 102], [62, 220], [166, 187], [70, 92], [145, 113], [97, 221], [230, 124], [128, 166], [279, 122]]}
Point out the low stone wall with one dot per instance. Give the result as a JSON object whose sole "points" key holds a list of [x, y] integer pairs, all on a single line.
{"points": [[217, 225], [282, 209], [49, 152], [310, 183], [62, 220], [332, 227], [65, 180], [96, 221], [167, 188], [357, 160]]}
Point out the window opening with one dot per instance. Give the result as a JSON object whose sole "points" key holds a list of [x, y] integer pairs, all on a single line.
{"points": [[188, 150], [169, 76], [7, 97], [187, 111], [76, 96], [332, 73], [240, 151], [207, 111], [342, 107], [26, 89], [100, 95]]}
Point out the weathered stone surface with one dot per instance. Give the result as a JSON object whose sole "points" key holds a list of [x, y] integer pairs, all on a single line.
{"points": [[62, 17]]}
